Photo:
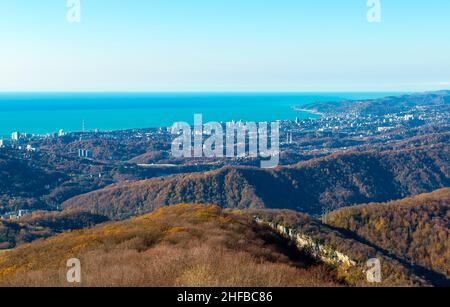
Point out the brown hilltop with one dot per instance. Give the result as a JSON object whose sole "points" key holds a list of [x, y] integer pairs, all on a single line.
{"points": [[184, 245]]}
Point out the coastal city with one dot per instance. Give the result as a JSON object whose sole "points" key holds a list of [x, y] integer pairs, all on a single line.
{"points": [[355, 128], [195, 148]]}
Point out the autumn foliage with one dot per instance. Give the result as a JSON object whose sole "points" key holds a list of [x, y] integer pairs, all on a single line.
{"points": [[184, 245], [313, 187], [415, 229]]}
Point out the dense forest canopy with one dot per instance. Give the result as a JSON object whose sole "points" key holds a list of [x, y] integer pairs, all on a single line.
{"points": [[415, 229], [314, 187]]}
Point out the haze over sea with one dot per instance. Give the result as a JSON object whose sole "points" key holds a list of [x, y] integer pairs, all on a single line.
{"points": [[42, 113]]}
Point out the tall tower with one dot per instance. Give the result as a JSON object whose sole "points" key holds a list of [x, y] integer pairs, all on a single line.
{"points": [[82, 130]]}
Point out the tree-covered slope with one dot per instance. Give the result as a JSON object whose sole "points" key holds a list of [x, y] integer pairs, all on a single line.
{"points": [[184, 245], [415, 229], [312, 187]]}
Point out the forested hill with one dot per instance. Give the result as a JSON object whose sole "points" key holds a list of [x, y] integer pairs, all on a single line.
{"points": [[41, 181], [21, 178], [384, 105], [185, 245], [415, 229], [42, 225], [313, 187], [195, 245]]}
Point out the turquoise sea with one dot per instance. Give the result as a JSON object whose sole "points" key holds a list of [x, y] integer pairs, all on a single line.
{"points": [[42, 113]]}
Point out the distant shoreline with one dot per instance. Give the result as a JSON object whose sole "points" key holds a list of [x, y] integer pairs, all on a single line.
{"points": [[296, 108], [43, 114]]}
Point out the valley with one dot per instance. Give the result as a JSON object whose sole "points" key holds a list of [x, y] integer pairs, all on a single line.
{"points": [[367, 180]]}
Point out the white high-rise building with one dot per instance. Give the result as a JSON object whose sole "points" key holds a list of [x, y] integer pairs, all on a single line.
{"points": [[61, 132], [15, 136], [4, 143]]}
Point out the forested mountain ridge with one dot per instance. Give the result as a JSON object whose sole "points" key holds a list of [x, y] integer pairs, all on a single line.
{"points": [[184, 245], [314, 187], [41, 181], [342, 249], [415, 229], [43, 225], [385, 105], [195, 245], [14, 171]]}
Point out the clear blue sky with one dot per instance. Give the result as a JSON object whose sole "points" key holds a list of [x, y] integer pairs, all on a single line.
{"points": [[224, 45]]}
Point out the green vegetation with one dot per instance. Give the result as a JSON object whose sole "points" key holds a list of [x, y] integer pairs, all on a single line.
{"points": [[380, 106]]}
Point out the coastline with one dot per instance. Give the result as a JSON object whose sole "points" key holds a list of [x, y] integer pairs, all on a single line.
{"points": [[43, 114], [314, 112], [46, 113]]}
